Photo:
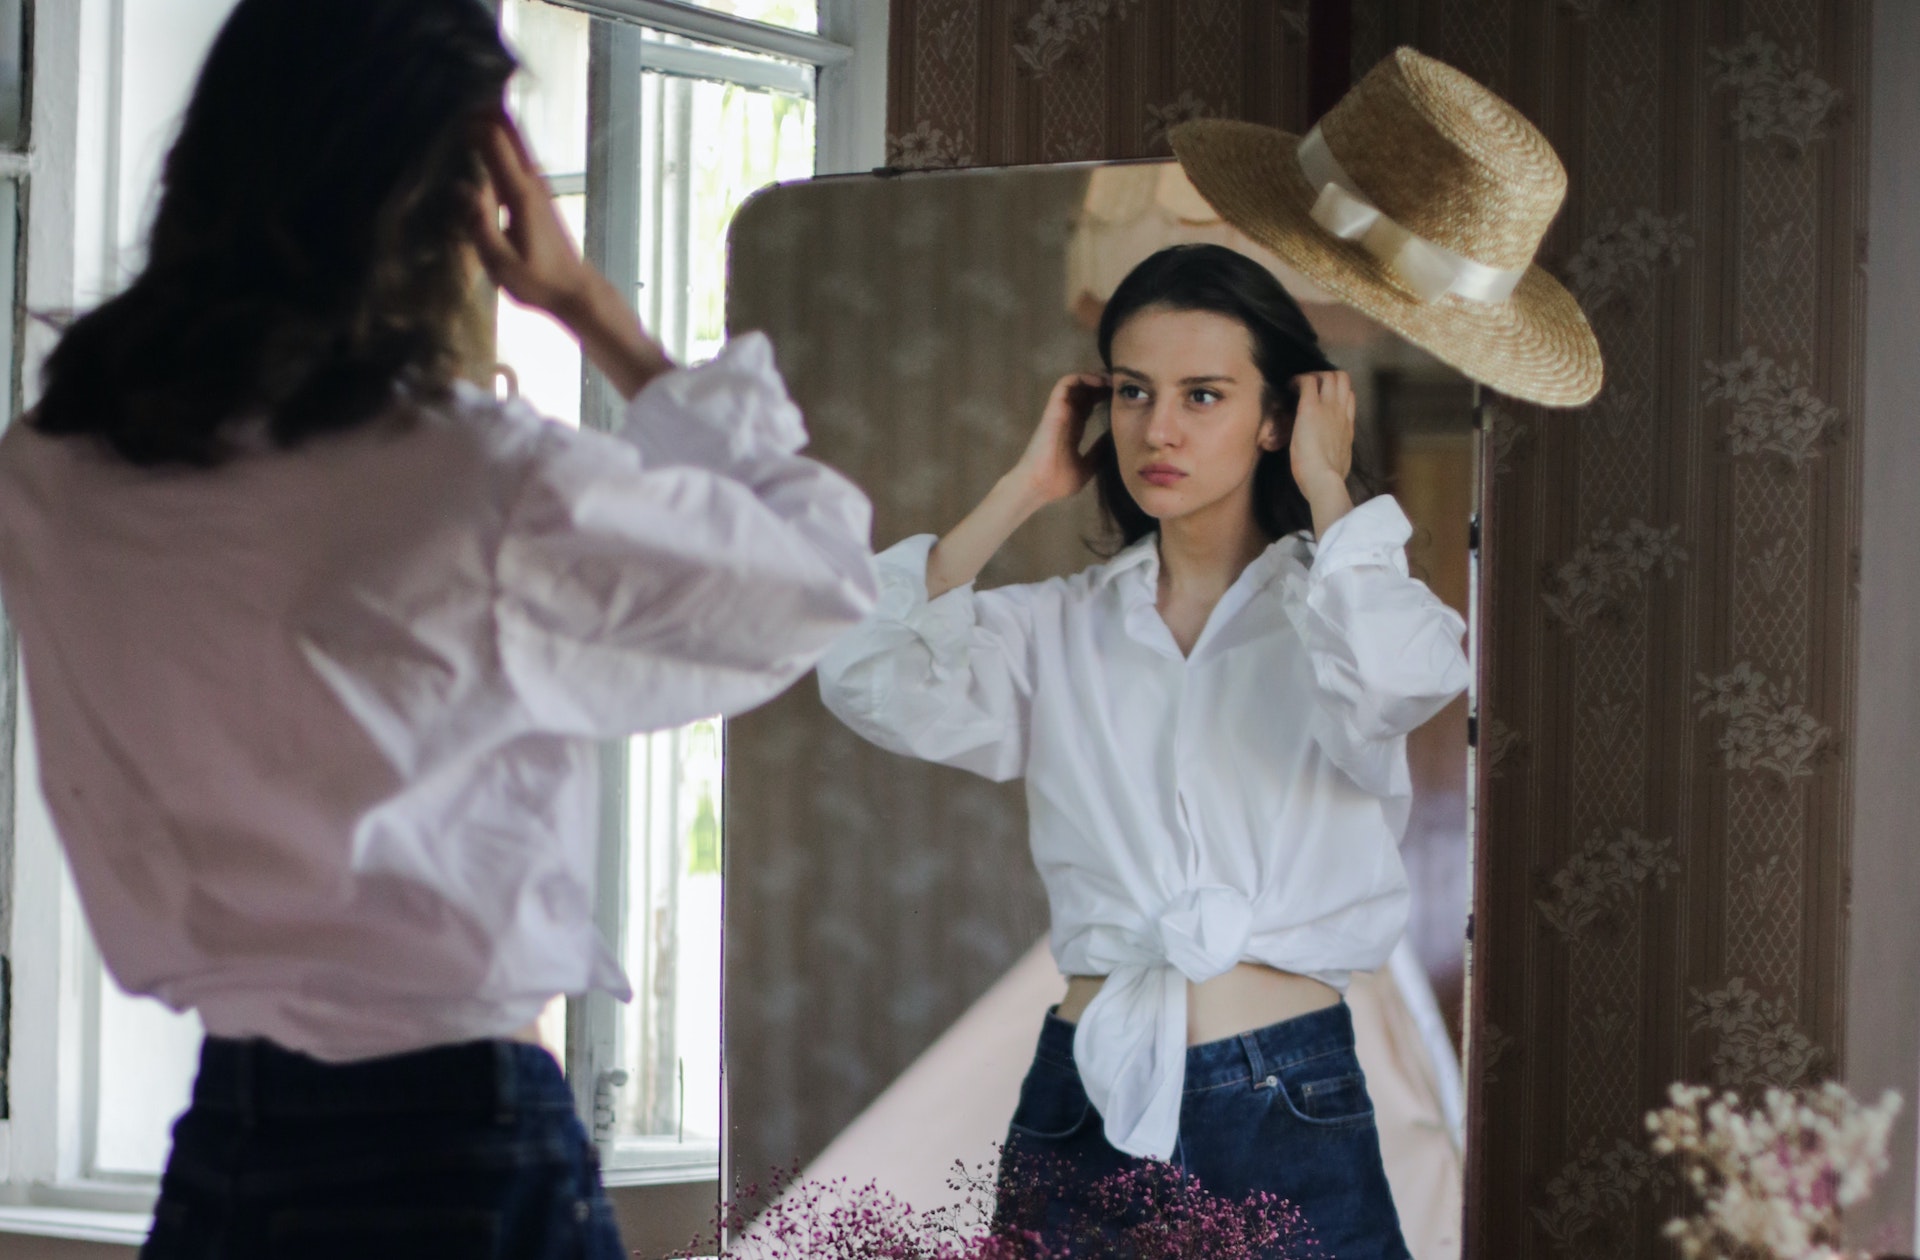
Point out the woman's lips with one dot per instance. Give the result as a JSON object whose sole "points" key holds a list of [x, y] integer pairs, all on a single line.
{"points": [[1162, 474]]}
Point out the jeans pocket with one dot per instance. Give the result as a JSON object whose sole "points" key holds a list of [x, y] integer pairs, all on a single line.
{"points": [[1053, 1103], [383, 1234], [1328, 1093]]}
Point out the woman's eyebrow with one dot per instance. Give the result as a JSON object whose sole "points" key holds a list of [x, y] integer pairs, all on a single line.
{"points": [[1216, 378]]}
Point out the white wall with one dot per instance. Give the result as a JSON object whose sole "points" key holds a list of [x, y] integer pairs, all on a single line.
{"points": [[1883, 981]]}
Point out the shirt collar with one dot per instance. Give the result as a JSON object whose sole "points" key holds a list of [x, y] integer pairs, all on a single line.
{"points": [[1136, 571], [1142, 558], [1144, 553]]}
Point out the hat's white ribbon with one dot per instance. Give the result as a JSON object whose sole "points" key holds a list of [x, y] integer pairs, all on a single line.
{"points": [[1430, 271]]}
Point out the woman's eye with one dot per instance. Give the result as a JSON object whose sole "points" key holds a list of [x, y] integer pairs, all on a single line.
{"points": [[1203, 397], [1132, 393]]}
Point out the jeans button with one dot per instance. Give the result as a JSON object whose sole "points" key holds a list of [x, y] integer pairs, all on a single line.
{"points": [[582, 1210]]}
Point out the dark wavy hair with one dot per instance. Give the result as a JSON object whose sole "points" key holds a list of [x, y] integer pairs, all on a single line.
{"points": [[305, 264], [1216, 279]]}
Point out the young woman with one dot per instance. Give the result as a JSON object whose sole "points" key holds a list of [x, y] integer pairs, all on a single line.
{"points": [[1211, 727], [320, 640]]}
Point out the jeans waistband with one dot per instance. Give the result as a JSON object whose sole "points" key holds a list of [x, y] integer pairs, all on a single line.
{"points": [[260, 1080], [1250, 1055]]}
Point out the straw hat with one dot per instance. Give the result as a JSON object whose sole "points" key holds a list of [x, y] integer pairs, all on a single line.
{"points": [[1420, 200]]}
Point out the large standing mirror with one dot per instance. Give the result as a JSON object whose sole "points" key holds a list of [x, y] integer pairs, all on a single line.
{"points": [[885, 965]]}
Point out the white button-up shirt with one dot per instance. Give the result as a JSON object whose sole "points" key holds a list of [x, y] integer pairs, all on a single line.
{"points": [[1244, 802], [317, 727]]}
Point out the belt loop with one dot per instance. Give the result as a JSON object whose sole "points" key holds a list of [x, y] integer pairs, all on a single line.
{"points": [[505, 1073], [244, 1081], [1256, 1062]]}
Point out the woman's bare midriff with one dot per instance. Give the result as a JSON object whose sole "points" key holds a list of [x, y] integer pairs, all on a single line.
{"points": [[1248, 997], [531, 1035]]}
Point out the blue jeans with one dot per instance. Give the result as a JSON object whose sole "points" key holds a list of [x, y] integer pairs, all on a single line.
{"points": [[458, 1152], [1283, 1109]]}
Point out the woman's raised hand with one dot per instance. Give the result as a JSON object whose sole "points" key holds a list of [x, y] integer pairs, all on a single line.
{"points": [[1321, 448], [534, 257], [1052, 467]]}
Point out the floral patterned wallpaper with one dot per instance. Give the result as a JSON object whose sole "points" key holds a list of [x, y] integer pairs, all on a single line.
{"points": [[993, 82], [1668, 605]]}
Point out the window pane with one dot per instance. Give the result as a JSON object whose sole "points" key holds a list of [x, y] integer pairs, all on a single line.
{"points": [[743, 141], [798, 15], [13, 85], [672, 1027], [148, 1056], [163, 43], [549, 95], [706, 147]]}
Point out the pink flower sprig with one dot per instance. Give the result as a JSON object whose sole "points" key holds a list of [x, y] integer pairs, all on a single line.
{"points": [[1145, 1211]]}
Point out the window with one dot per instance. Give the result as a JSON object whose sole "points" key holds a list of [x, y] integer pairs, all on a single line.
{"points": [[140, 1057], [698, 105], [655, 122], [94, 1078]]}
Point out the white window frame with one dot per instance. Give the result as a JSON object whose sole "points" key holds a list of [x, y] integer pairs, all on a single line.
{"points": [[850, 53], [849, 60], [70, 252], [71, 257]]}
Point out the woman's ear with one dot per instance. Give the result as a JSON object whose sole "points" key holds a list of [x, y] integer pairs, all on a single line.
{"points": [[1272, 437]]}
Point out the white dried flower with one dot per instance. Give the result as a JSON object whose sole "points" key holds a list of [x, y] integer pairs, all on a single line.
{"points": [[1773, 1178]]}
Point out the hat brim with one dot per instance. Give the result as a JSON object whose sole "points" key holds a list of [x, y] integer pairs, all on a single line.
{"points": [[1536, 345]]}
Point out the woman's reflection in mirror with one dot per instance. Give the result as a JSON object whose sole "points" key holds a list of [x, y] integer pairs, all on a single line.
{"points": [[1211, 726]]}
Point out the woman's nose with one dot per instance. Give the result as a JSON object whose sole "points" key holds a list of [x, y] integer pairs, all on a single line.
{"points": [[1163, 426]]}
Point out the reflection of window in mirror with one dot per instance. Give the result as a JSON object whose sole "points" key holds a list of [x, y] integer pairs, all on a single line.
{"points": [[681, 131]]}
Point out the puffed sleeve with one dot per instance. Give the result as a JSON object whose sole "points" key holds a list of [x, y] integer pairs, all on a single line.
{"points": [[947, 680], [692, 564], [1386, 652]]}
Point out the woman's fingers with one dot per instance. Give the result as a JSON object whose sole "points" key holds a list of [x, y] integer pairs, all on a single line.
{"points": [[1329, 389], [502, 176], [512, 167], [1074, 396], [1086, 392], [497, 253], [507, 185], [533, 256], [1322, 440]]}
